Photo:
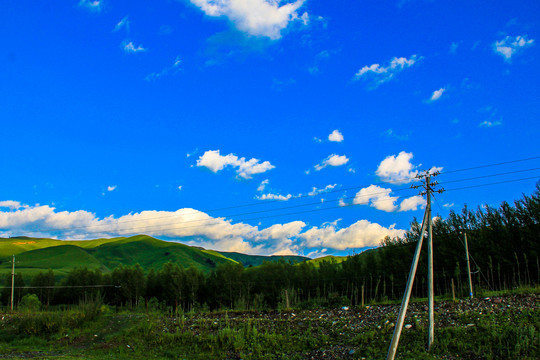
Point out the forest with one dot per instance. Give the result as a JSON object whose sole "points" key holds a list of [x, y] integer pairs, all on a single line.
{"points": [[503, 241]]}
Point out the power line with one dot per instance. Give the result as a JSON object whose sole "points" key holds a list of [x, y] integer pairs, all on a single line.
{"points": [[490, 165], [368, 196], [402, 180]]}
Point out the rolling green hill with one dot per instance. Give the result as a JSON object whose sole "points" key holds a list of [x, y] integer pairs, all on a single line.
{"points": [[36, 254], [256, 260], [328, 258]]}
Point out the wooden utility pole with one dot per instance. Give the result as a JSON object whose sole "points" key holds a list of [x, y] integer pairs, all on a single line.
{"points": [[426, 224], [468, 266], [12, 283]]}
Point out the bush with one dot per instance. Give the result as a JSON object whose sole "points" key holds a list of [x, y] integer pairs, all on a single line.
{"points": [[30, 303]]}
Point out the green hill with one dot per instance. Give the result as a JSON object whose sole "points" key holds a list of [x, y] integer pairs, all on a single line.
{"points": [[328, 258], [256, 260], [34, 255], [37, 254]]}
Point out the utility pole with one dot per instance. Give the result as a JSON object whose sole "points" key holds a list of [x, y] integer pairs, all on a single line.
{"points": [[426, 223], [431, 326], [12, 283], [468, 266]]}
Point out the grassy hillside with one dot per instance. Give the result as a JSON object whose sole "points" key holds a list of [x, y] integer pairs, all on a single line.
{"points": [[36, 254], [328, 258], [256, 260]]}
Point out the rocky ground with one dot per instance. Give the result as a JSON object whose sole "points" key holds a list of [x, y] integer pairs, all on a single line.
{"points": [[344, 323], [341, 333]]}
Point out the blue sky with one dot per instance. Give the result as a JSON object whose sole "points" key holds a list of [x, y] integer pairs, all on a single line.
{"points": [[200, 121]]}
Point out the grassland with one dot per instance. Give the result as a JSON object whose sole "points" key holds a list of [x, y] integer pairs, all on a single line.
{"points": [[500, 327]]}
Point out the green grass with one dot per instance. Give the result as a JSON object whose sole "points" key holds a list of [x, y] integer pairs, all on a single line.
{"points": [[92, 331]]}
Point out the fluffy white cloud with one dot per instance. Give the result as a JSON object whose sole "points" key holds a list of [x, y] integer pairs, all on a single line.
{"points": [[92, 5], [437, 94], [360, 234], [111, 188], [335, 136], [131, 48], [274, 197], [377, 197], [10, 204], [315, 191], [508, 46], [194, 228], [412, 203], [397, 169], [381, 74], [215, 162], [170, 70], [255, 17], [332, 160]]}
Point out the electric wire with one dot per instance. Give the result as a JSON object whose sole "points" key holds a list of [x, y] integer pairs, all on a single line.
{"points": [[321, 192], [368, 196], [163, 227]]}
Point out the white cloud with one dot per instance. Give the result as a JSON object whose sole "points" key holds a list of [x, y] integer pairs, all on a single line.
{"points": [[412, 203], [489, 124], [131, 48], [255, 17], [215, 162], [381, 74], [263, 184], [92, 5], [124, 23], [437, 94], [397, 169], [179, 187], [360, 234], [332, 160], [453, 47], [10, 204], [376, 197], [111, 188], [170, 70], [508, 46], [449, 205], [274, 197], [335, 136], [316, 191], [193, 227]]}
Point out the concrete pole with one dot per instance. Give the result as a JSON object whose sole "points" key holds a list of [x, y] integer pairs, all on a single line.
{"points": [[431, 323], [12, 283], [405, 302], [468, 267]]}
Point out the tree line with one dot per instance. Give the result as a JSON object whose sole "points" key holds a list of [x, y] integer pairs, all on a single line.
{"points": [[504, 243]]}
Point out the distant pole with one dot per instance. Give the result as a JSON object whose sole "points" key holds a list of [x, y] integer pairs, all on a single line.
{"points": [[362, 295], [12, 283], [468, 266], [431, 324], [453, 291]]}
